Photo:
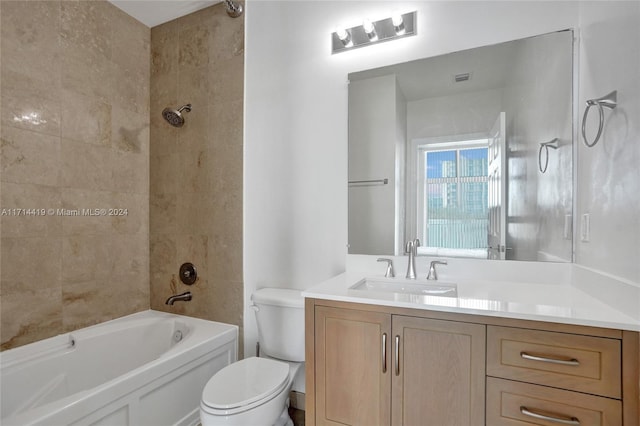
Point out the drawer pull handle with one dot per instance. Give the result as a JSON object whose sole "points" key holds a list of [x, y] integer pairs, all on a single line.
{"points": [[550, 417], [384, 353], [573, 362]]}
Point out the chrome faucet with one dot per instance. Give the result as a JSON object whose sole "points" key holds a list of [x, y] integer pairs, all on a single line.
{"points": [[185, 297], [412, 249], [433, 275], [390, 273]]}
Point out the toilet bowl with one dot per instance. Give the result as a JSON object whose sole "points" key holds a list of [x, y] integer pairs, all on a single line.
{"points": [[255, 391]]}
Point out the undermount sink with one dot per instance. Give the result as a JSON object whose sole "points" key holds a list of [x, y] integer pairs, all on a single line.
{"points": [[404, 286]]}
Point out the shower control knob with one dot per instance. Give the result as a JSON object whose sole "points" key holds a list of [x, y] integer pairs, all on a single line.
{"points": [[188, 273]]}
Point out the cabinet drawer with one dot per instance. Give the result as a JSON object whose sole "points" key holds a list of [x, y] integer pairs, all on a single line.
{"points": [[512, 403], [579, 363]]}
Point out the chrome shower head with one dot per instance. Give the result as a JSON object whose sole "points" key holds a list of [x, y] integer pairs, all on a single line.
{"points": [[174, 116], [234, 9]]}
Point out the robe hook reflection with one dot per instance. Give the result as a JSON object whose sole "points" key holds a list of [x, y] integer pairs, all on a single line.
{"points": [[610, 101], [553, 144]]}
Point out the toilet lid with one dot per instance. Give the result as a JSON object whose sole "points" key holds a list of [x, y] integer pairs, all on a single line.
{"points": [[245, 382]]}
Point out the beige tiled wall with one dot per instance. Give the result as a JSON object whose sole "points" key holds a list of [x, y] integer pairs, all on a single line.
{"points": [[195, 208], [82, 70], [97, 140]]}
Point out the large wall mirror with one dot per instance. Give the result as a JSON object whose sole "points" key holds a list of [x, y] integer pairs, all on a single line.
{"points": [[470, 152]]}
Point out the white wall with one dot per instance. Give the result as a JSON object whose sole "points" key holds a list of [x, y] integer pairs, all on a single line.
{"points": [[295, 169], [445, 116], [400, 171], [296, 123], [609, 173], [372, 156], [539, 109]]}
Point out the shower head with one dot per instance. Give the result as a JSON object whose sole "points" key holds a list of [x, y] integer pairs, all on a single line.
{"points": [[234, 9], [174, 116]]}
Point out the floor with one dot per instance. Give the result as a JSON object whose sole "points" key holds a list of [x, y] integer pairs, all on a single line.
{"points": [[297, 416]]}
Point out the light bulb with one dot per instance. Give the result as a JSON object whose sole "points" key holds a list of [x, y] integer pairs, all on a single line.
{"points": [[344, 37], [370, 30], [398, 24]]}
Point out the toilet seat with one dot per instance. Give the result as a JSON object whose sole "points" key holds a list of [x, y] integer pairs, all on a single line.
{"points": [[244, 385]]}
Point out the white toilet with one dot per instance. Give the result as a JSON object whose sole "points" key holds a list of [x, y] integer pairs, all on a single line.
{"points": [[255, 391]]}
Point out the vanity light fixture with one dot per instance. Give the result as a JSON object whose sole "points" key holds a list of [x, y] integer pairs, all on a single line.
{"points": [[369, 33]]}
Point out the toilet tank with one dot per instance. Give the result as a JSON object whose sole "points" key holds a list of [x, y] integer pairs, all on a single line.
{"points": [[280, 319]]}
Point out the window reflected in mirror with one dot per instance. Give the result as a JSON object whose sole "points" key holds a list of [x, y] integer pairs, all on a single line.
{"points": [[453, 198]]}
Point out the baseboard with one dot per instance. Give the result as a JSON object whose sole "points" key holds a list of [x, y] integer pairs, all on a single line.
{"points": [[297, 400]]}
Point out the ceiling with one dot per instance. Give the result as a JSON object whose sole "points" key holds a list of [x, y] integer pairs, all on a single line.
{"points": [[434, 77], [156, 12]]}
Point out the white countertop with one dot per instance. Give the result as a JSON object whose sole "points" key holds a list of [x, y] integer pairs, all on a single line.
{"points": [[559, 303]]}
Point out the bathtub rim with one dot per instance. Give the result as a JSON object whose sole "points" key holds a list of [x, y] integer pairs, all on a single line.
{"points": [[20, 354]]}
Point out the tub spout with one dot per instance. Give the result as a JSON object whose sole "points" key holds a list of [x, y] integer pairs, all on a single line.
{"points": [[185, 297]]}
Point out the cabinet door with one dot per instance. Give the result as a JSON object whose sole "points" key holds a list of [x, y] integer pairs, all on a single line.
{"points": [[438, 372], [353, 374]]}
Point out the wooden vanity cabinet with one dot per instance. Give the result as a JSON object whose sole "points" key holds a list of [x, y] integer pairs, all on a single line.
{"points": [[512, 403], [353, 380], [543, 377], [438, 372], [376, 365], [374, 368]]}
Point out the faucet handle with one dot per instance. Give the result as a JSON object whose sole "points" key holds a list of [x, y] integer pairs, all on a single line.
{"points": [[433, 275], [390, 272]]}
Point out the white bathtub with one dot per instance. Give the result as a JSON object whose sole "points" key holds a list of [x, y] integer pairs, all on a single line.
{"points": [[148, 368]]}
